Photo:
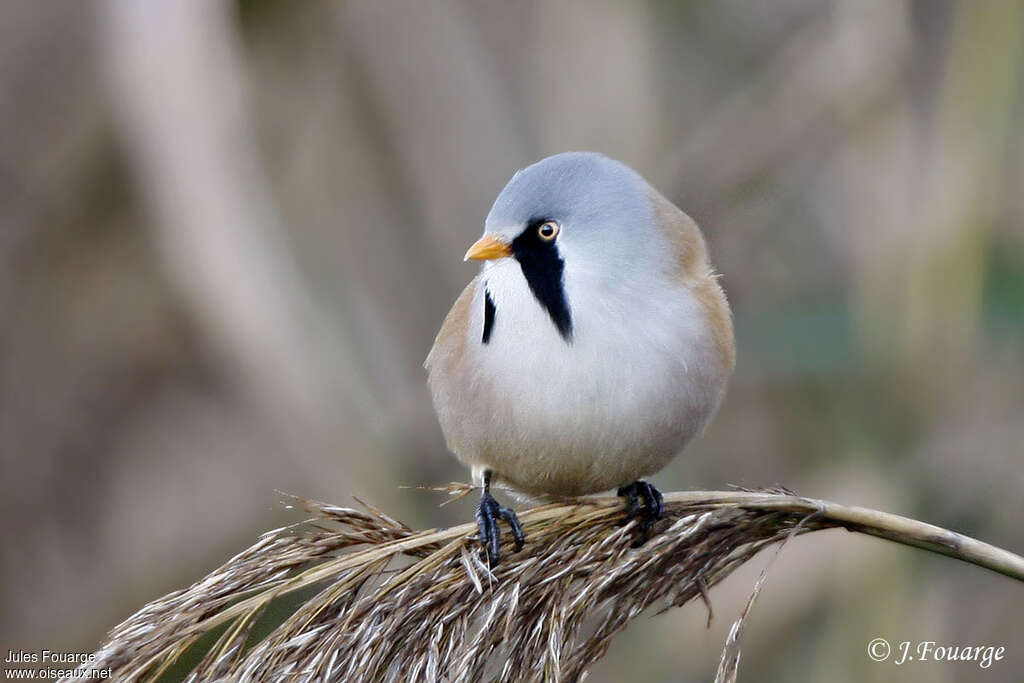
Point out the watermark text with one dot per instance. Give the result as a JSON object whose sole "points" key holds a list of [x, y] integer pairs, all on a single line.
{"points": [[907, 651]]}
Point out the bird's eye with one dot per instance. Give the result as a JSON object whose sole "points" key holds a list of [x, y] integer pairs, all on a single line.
{"points": [[548, 230]]}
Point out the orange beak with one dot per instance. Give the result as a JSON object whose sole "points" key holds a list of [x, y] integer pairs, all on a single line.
{"points": [[488, 247]]}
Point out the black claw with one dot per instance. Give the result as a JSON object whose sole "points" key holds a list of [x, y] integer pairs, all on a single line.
{"points": [[488, 512], [519, 539], [487, 523], [646, 502]]}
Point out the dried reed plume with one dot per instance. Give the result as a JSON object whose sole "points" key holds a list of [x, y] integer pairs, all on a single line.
{"points": [[385, 602]]}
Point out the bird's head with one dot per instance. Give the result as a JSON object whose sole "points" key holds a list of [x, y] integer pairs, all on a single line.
{"points": [[577, 221]]}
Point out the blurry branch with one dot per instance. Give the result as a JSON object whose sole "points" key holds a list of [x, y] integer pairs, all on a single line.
{"points": [[932, 230], [178, 85], [382, 600], [836, 67]]}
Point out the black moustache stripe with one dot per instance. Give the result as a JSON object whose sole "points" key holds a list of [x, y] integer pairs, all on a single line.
{"points": [[489, 312], [543, 268]]}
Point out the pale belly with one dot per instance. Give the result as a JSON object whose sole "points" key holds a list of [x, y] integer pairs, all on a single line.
{"points": [[550, 417], [631, 389]]}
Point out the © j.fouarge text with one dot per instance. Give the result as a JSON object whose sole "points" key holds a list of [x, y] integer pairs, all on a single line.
{"points": [[908, 651]]}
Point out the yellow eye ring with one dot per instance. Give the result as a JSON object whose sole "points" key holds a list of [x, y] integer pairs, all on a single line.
{"points": [[548, 230]]}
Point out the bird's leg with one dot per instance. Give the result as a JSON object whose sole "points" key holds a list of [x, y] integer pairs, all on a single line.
{"points": [[646, 502], [488, 512]]}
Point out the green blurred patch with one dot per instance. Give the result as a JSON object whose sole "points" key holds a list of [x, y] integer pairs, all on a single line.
{"points": [[801, 336], [1003, 297]]}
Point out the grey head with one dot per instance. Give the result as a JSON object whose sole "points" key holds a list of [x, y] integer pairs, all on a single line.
{"points": [[576, 217], [585, 192]]}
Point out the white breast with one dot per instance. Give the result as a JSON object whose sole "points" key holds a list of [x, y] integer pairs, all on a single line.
{"points": [[638, 381]]}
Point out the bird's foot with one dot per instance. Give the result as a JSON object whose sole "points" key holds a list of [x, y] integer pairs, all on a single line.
{"points": [[645, 502], [488, 512]]}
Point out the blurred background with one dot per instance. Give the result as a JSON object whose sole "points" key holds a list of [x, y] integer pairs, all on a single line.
{"points": [[230, 231]]}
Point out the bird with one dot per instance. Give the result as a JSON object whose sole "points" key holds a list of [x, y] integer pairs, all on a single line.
{"points": [[592, 347]]}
